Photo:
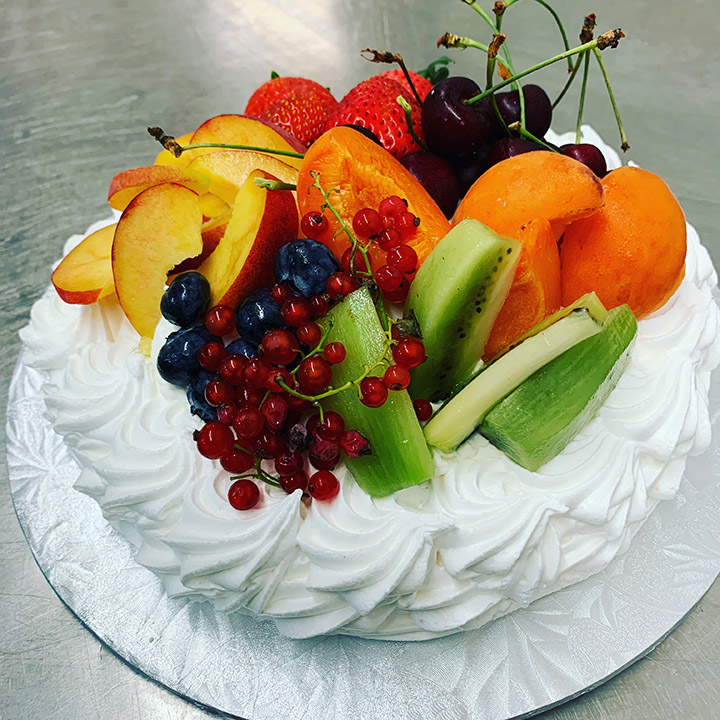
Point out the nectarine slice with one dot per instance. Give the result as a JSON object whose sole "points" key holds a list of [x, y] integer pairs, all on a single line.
{"points": [[360, 174], [262, 222], [85, 275], [159, 229], [544, 185], [130, 183], [631, 251]]}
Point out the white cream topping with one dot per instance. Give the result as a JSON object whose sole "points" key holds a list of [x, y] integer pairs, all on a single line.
{"points": [[481, 539]]}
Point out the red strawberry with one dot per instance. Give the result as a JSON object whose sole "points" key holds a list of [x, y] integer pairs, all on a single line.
{"points": [[422, 85], [373, 104], [280, 88], [303, 116]]}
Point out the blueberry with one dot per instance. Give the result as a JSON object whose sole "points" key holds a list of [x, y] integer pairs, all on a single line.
{"points": [[257, 314], [305, 265], [242, 347], [186, 300], [177, 360], [196, 396]]}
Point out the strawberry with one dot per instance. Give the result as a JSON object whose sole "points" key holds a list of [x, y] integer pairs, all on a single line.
{"points": [[280, 88], [373, 105], [303, 116], [422, 85]]}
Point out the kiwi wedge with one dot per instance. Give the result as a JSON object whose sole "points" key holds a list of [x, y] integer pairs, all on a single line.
{"points": [[399, 454], [543, 414], [456, 298], [463, 413]]}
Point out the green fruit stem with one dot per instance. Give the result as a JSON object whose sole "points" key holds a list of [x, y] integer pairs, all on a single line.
{"points": [[274, 184], [625, 145], [225, 146], [523, 132], [405, 105], [581, 105], [569, 82]]}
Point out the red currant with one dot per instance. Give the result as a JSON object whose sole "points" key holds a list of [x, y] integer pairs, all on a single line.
{"points": [[214, 439], [367, 222], [323, 485], [340, 284], [396, 378], [249, 396], [403, 257], [360, 263], [332, 427], [409, 352], [295, 312], [281, 294], [335, 353], [406, 223], [373, 390], [243, 494], [256, 372], [314, 373], [314, 225], [232, 368], [248, 422], [354, 444], [237, 461], [211, 355], [289, 463], [389, 238], [309, 334], [226, 413], [275, 411], [280, 347], [389, 278], [319, 305], [268, 445], [219, 392], [220, 320], [423, 409], [399, 295], [279, 373], [392, 205], [297, 481]]}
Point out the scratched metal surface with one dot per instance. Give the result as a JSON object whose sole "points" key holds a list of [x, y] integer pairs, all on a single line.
{"points": [[78, 83]]}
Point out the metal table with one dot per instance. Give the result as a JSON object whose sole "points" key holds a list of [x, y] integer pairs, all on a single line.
{"points": [[81, 80]]}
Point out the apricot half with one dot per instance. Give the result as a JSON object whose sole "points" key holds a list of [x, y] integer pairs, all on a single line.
{"points": [[632, 250]]}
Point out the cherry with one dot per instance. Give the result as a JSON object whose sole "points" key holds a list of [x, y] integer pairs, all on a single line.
{"points": [[243, 494], [396, 377], [470, 167], [588, 155], [309, 334], [319, 305], [275, 411], [219, 392], [403, 257], [211, 355], [332, 427], [538, 109], [314, 225], [323, 485], [214, 440], [367, 222], [237, 461], [256, 372], [423, 409], [409, 352], [281, 294], [280, 347], [451, 127], [289, 463], [220, 320], [267, 445], [295, 312], [354, 444], [388, 238], [339, 285], [389, 277], [510, 147], [436, 175], [248, 422], [314, 373], [296, 481], [335, 353], [373, 390]]}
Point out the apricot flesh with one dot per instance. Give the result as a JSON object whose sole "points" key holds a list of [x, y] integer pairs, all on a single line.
{"points": [[632, 250]]}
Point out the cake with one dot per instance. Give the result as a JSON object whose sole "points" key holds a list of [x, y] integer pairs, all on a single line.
{"points": [[481, 539]]}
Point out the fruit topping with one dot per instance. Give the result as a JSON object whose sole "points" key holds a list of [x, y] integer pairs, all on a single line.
{"points": [[186, 300], [177, 359], [257, 314], [305, 266]]}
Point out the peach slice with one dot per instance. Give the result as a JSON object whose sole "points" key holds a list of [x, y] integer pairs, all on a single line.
{"points": [[130, 183], [212, 233], [633, 250], [159, 229], [544, 185], [262, 222], [242, 130], [167, 158], [229, 169], [85, 275]]}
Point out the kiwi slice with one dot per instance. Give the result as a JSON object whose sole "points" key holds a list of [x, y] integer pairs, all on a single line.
{"points": [[463, 413], [456, 298], [399, 454], [540, 417]]}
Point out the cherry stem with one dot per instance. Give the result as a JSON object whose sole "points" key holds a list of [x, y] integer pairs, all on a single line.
{"points": [[625, 145], [388, 57], [592, 45], [497, 41], [581, 105], [518, 128], [274, 184], [225, 146], [449, 40], [559, 24], [405, 105], [569, 82]]}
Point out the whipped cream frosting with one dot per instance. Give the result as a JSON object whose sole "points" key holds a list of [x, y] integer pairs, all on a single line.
{"points": [[481, 539]]}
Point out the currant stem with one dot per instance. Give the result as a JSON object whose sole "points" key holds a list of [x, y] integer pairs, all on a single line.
{"points": [[226, 146], [550, 61], [625, 145], [405, 105], [274, 184], [581, 106]]}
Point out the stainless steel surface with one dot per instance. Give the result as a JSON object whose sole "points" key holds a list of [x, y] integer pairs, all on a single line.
{"points": [[81, 80]]}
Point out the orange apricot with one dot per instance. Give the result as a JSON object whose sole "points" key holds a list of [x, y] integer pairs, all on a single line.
{"points": [[535, 291], [360, 174], [534, 185], [631, 251]]}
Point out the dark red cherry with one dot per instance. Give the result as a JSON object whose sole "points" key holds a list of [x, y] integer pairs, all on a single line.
{"points": [[588, 155], [510, 147], [538, 109], [436, 175]]}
